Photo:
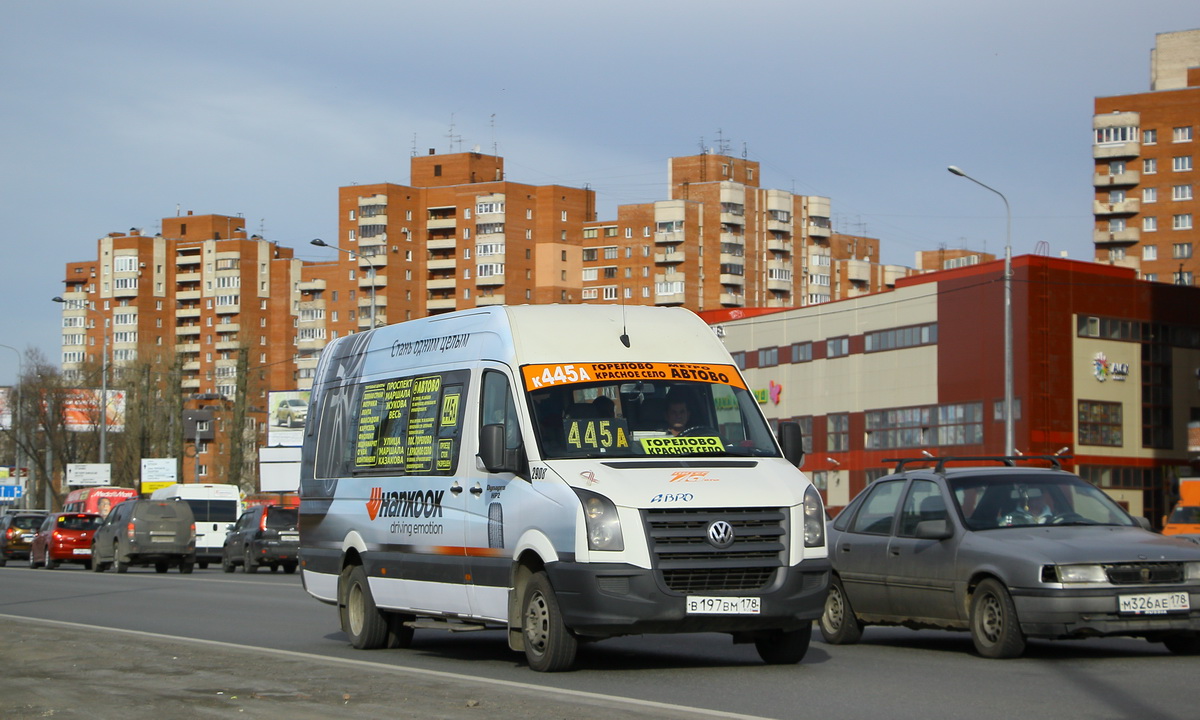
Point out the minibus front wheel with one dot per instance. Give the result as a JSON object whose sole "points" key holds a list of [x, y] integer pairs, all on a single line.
{"points": [[549, 645]]}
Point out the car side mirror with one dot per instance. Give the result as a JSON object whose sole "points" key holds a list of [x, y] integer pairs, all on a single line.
{"points": [[1142, 522], [791, 441], [933, 530]]}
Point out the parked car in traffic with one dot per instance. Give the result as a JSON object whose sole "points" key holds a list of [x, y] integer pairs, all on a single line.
{"points": [[291, 412], [1006, 552], [17, 529], [161, 533], [64, 538], [264, 536]]}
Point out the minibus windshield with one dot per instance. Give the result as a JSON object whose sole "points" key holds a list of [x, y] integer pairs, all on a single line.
{"points": [[644, 410]]}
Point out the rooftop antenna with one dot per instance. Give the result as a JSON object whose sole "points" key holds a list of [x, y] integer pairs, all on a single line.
{"points": [[495, 149], [624, 328], [453, 138], [413, 151], [722, 143]]}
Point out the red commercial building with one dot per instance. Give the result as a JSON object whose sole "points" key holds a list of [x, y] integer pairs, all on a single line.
{"points": [[1106, 370]]}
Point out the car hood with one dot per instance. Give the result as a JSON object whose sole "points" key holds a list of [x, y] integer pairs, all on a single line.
{"points": [[1083, 544]]}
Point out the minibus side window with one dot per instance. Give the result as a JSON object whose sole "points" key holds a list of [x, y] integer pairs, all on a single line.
{"points": [[499, 409]]}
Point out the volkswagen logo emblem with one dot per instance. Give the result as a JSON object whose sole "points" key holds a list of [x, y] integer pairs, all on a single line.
{"points": [[720, 534]]}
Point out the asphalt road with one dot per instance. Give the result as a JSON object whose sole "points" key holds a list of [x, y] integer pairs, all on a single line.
{"points": [[211, 644]]}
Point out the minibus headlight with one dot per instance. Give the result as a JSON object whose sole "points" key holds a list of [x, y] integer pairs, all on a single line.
{"points": [[814, 518], [602, 524]]}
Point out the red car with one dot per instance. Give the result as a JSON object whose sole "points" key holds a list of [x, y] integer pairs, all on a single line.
{"points": [[64, 537]]}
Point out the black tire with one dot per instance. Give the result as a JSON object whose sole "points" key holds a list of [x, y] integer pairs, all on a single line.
{"points": [[226, 563], [87, 564], [399, 635], [49, 563], [120, 566], [3, 561], [366, 627], [549, 645], [203, 564], [161, 566], [289, 567], [995, 629], [97, 564], [32, 563], [187, 565], [839, 624], [248, 563], [1183, 644], [783, 647]]}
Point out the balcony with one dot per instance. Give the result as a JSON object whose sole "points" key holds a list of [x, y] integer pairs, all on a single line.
{"points": [[229, 345], [187, 277], [490, 280], [1125, 207], [1128, 235], [364, 301], [484, 300], [228, 309], [671, 257], [441, 264], [446, 243], [731, 259], [736, 299], [187, 348], [779, 303], [668, 238], [193, 366], [190, 383], [187, 295], [779, 285], [1116, 150], [193, 259], [441, 284], [779, 225], [440, 304], [379, 281], [189, 312], [819, 231], [857, 271], [441, 223], [187, 330], [309, 286], [1129, 177], [779, 245], [668, 298]]}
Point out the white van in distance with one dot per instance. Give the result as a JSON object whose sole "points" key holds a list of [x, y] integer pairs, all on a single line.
{"points": [[565, 473], [216, 508]]}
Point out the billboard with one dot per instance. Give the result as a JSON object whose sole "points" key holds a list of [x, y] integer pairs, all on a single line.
{"points": [[81, 409], [6, 408], [287, 418], [89, 474]]}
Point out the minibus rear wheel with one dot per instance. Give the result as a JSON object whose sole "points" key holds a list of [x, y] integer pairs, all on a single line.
{"points": [[362, 621]]}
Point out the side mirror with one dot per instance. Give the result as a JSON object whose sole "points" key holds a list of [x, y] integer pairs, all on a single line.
{"points": [[491, 447], [1143, 523], [933, 530], [791, 440]]}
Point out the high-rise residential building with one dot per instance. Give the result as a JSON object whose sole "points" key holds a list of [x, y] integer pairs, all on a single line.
{"points": [[1145, 151], [720, 240], [200, 303]]}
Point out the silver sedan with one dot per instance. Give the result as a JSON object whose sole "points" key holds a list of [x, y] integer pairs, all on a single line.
{"points": [[1007, 553]]}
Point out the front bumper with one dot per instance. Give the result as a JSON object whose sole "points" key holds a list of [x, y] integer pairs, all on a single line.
{"points": [[1078, 613], [605, 600]]}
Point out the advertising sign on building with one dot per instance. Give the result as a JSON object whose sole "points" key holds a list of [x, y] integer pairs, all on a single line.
{"points": [[81, 410], [158, 473], [289, 413]]}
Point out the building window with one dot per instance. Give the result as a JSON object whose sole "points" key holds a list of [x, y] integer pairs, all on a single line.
{"points": [[1100, 423], [897, 338], [1149, 252], [1181, 134], [1150, 224], [1149, 195], [1181, 251], [1182, 221], [739, 359], [1181, 192], [1149, 137], [1181, 163], [837, 432], [768, 357], [1114, 135], [837, 347], [1116, 225], [802, 352], [1150, 166]]}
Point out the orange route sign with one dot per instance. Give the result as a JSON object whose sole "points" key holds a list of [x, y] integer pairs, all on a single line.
{"points": [[543, 376]]}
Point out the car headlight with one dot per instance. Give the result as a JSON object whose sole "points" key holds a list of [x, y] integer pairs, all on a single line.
{"points": [[1080, 574], [603, 525], [814, 518]]}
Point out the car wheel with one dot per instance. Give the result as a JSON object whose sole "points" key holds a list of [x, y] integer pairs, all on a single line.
{"points": [[32, 561], [203, 565], [97, 564], [3, 561], [49, 563], [161, 566], [1183, 644], [399, 635], [839, 624], [248, 563], [226, 563], [186, 565], [289, 568], [118, 564], [361, 619], [995, 629], [784, 647], [549, 645]]}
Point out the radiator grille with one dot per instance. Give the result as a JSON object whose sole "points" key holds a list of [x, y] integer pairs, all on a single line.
{"points": [[688, 563], [1145, 573]]}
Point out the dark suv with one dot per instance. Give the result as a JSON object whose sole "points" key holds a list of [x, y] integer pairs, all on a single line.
{"points": [[264, 536], [161, 533], [17, 529]]}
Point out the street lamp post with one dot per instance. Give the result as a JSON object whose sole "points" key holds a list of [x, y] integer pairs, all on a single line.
{"points": [[103, 380], [1009, 442], [321, 243]]}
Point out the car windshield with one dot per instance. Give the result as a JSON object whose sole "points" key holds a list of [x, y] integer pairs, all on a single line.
{"points": [[645, 409], [1186, 515], [1008, 500]]}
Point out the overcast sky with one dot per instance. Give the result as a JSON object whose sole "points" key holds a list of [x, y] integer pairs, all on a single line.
{"points": [[116, 114]]}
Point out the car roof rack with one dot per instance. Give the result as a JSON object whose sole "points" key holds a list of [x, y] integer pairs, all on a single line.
{"points": [[1008, 460]]}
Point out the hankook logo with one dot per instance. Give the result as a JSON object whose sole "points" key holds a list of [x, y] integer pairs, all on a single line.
{"points": [[720, 534]]}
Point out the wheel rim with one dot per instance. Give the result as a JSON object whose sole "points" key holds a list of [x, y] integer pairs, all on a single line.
{"points": [[835, 609], [537, 623], [354, 609], [991, 618]]}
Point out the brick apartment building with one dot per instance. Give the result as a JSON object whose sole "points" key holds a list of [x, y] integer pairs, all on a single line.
{"points": [[1146, 208]]}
